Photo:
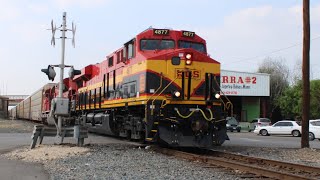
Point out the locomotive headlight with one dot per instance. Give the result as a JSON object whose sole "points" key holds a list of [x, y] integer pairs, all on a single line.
{"points": [[217, 96], [177, 94], [188, 62], [188, 56]]}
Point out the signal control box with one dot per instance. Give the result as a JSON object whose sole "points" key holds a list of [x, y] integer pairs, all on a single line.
{"points": [[60, 106]]}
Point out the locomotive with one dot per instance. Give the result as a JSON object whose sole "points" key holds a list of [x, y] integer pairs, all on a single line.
{"points": [[161, 87]]}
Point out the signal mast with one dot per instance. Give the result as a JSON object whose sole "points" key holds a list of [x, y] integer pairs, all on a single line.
{"points": [[60, 103]]}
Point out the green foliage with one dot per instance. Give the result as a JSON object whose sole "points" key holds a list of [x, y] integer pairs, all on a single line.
{"points": [[291, 101], [315, 99]]}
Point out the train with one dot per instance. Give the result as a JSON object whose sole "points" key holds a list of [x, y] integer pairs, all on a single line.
{"points": [[160, 87]]}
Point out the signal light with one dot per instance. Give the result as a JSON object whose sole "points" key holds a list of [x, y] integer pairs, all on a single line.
{"points": [[73, 72], [188, 59], [49, 72], [217, 96], [188, 56]]}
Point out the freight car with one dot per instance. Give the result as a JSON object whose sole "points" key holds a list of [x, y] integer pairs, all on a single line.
{"points": [[35, 107], [161, 86]]}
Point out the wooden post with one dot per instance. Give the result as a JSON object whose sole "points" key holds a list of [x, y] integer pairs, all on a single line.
{"points": [[305, 76]]}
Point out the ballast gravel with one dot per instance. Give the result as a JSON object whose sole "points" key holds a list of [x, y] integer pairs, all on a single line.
{"points": [[122, 161]]}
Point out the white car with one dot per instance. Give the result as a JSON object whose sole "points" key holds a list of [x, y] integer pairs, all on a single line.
{"points": [[314, 129], [281, 127]]}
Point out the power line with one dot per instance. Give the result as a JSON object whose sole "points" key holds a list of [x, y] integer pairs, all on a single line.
{"points": [[272, 52]]}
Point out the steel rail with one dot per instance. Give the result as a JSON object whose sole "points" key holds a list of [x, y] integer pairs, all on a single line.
{"points": [[287, 165], [234, 164]]}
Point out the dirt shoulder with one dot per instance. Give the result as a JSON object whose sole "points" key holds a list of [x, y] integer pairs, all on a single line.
{"points": [[15, 126]]}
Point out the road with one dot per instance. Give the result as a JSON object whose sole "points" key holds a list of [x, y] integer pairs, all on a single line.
{"points": [[13, 169], [19, 170], [276, 141]]}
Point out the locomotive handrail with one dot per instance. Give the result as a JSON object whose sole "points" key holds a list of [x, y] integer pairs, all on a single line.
{"points": [[158, 88], [161, 93], [160, 85], [229, 103]]}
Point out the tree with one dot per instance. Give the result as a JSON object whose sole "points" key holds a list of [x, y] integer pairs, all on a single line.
{"points": [[279, 74], [296, 72], [291, 100]]}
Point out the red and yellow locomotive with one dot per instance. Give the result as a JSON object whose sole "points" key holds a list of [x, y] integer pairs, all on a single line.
{"points": [[160, 86]]}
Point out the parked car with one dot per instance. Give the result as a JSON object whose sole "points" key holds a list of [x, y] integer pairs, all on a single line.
{"points": [[283, 127], [259, 122], [233, 124], [314, 129]]}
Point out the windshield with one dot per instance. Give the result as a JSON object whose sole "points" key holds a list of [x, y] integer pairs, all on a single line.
{"points": [[265, 120], [231, 120], [315, 123], [153, 44], [197, 46]]}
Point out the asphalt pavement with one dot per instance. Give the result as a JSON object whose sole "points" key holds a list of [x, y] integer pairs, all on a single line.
{"points": [[15, 169], [19, 170], [272, 141]]}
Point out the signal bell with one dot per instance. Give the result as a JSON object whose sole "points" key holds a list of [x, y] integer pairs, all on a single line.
{"points": [[49, 72]]}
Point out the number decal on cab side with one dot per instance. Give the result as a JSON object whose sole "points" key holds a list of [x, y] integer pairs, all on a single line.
{"points": [[161, 31], [188, 34]]}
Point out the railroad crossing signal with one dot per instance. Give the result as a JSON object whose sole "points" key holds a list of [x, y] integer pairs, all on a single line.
{"points": [[53, 30], [62, 28], [49, 72], [73, 72], [74, 28]]}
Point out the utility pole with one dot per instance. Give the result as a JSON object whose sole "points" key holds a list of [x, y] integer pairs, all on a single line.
{"points": [[63, 41], [305, 76]]}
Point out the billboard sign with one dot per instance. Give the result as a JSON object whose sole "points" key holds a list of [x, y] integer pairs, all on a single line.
{"points": [[245, 84]]}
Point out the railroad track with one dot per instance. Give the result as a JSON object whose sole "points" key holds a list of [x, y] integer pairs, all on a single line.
{"points": [[252, 167]]}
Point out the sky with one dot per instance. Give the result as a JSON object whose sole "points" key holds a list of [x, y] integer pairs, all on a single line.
{"points": [[239, 34]]}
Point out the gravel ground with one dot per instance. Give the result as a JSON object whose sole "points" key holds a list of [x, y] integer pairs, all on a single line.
{"points": [[123, 161], [15, 126], [115, 161]]}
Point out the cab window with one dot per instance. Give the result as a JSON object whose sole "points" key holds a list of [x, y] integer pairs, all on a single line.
{"points": [[153, 44], [129, 50], [196, 46]]}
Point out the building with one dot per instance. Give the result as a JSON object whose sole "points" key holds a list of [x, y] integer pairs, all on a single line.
{"points": [[248, 93], [3, 107]]}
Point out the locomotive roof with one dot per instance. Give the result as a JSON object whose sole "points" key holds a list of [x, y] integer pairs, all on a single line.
{"points": [[169, 33]]}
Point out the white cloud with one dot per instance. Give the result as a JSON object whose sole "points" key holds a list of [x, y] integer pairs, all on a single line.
{"points": [[63, 4], [39, 8], [247, 36], [315, 15], [8, 11], [30, 32]]}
